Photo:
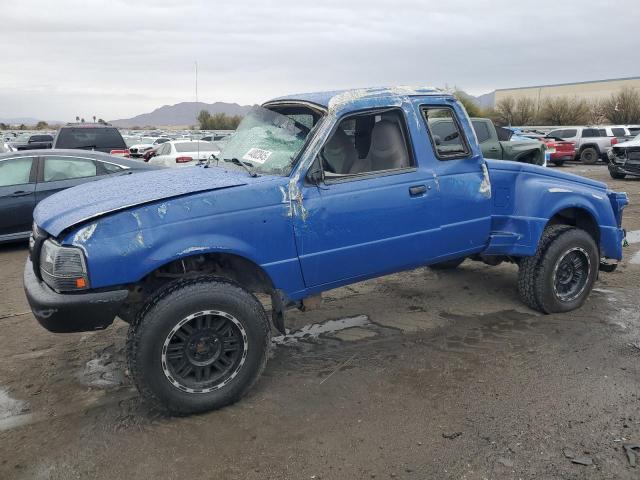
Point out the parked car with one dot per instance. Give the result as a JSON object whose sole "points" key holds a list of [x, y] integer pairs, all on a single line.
{"points": [[590, 145], [559, 150], [491, 145], [6, 147], [91, 136], [313, 192], [32, 141], [138, 150], [183, 153], [624, 159], [29, 176]]}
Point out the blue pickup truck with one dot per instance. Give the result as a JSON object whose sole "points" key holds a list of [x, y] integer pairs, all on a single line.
{"points": [[312, 192]]}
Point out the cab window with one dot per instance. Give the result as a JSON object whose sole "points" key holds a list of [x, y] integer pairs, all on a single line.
{"points": [[366, 143]]}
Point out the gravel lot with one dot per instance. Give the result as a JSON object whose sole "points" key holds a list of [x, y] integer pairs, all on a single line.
{"points": [[415, 375]]}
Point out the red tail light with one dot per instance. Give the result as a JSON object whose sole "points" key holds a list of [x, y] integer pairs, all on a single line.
{"points": [[614, 140], [184, 159], [124, 153]]}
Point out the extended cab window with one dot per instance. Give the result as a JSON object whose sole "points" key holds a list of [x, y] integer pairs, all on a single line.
{"points": [[367, 143], [446, 135]]}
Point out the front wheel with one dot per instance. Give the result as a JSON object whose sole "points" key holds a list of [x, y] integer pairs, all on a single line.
{"points": [[199, 345], [561, 275], [589, 156]]}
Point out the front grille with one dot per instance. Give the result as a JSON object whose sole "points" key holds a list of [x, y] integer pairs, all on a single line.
{"points": [[633, 154]]}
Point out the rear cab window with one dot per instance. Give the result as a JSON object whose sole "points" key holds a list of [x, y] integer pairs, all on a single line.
{"points": [[447, 137], [618, 132]]}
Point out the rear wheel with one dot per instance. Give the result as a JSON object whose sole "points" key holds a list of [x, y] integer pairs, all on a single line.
{"points": [[617, 175], [589, 156], [561, 275], [198, 345], [448, 265]]}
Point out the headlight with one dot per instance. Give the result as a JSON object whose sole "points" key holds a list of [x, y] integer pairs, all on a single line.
{"points": [[63, 268]]}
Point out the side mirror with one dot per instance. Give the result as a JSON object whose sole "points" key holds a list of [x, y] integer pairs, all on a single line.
{"points": [[437, 140], [315, 175]]}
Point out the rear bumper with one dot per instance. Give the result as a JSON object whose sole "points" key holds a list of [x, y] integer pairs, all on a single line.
{"points": [[65, 313], [562, 156]]}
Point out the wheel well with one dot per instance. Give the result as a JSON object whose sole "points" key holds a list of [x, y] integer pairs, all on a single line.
{"points": [[232, 267], [533, 157], [579, 218]]}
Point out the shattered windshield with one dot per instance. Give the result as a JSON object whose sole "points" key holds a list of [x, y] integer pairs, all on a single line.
{"points": [[267, 140]]}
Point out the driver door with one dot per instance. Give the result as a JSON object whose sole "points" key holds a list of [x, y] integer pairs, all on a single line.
{"points": [[378, 220]]}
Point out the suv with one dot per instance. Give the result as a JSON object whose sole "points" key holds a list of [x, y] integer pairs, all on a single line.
{"points": [[91, 136], [590, 143]]}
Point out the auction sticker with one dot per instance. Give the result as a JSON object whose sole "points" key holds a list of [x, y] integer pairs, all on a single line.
{"points": [[257, 155]]}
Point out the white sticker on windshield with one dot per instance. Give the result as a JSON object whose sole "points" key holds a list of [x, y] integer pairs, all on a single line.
{"points": [[257, 155]]}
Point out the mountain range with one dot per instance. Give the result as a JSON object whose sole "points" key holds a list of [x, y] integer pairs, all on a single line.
{"points": [[183, 113]]}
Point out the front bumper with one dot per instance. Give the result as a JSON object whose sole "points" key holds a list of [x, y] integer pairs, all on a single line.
{"points": [[624, 168], [70, 312]]}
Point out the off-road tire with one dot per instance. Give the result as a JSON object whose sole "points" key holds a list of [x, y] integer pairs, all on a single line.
{"points": [[589, 156], [447, 265], [537, 274], [148, 334], [617, 176]]}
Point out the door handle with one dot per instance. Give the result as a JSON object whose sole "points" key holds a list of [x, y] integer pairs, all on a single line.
{"points": [[417, 190], [494, 149], [20, 193]]}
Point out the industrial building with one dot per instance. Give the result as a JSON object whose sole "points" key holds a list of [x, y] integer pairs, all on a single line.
{"points": [[591, 90]]}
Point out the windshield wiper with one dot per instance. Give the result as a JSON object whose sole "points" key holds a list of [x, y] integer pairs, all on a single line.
{"points": [[242, 164]]}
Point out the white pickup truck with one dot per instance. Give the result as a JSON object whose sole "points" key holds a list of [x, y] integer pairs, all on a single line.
{"points": [[590, 145]]}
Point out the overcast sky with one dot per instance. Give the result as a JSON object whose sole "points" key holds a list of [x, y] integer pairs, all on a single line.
{"points": [[116, 59]]}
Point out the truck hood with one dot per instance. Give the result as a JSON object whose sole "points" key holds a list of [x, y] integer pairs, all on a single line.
{"points": [[544, 171], [629, 143], [83, 202]]}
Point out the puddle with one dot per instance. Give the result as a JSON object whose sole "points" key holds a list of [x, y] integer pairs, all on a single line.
{"points": [[316, 329], [11, 412], [104, 371], [633, 236]]}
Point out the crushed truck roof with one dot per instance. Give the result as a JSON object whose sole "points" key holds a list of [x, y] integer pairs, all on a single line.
{"points": [[336, 98]]}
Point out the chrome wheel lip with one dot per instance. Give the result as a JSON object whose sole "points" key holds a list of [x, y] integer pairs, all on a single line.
{"points": [[555, 275], [178, 326]]}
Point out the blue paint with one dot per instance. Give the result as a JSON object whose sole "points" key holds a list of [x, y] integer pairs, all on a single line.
{"points": [[309, 239]]}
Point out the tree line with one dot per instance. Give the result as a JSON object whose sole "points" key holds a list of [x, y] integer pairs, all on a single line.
{"points": [[620, 108], [218, 121]]}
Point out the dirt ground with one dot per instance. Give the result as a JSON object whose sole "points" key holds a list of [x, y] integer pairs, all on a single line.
{"points": [[419, 375]]}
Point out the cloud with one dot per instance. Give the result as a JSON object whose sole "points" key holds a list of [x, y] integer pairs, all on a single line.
{"points": [[115, 59]]}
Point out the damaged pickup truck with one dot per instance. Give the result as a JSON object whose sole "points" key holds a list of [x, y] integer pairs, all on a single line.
{"points": [[312, 192]]}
